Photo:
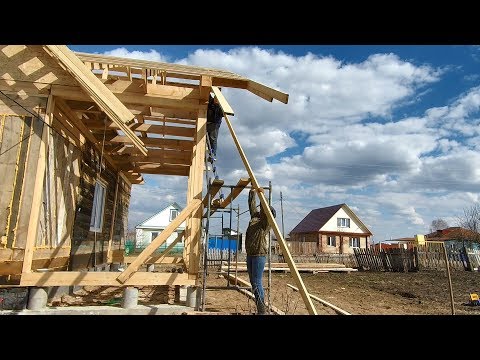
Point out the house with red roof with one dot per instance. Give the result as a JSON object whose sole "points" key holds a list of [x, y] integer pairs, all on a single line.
{"points": [[332, 229]]}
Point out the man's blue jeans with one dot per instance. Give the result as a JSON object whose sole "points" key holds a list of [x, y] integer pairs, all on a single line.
{"points": [[255, 266]]}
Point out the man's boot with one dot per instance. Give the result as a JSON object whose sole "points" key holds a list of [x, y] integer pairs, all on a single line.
{"points": [[261, 310]]}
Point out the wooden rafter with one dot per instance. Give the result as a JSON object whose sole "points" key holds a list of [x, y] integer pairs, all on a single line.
{"points": [[103, 97]]}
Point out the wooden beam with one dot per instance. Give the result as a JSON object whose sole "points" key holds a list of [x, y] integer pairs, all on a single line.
{"points": [[161, 170], [233, 194], [98, 92], [214, 188], [160, 160], [181, 131], [126, 97], [101, 278], [167, 153], [266, 92], [38, 188], [227, 109], [158, 241], [266, 208], [191, 253], [154, 259], [326, 303], [158, 142], [112, 226]]}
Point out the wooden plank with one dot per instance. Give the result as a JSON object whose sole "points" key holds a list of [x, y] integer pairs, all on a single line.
{"points": [[280, 240], [96, 90], [213, 189], [326, 303], [158, 241], [158, 142], [157, 160], [227, 109], [300, 269], [191, 253], [181, 131], [101, 278], [161, 170], [233, 194], [38, 189], [266, 92], [155, 259], [127, 97], [112, 226]]}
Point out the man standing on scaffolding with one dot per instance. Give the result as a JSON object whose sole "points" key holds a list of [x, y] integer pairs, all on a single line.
{"points": [[256, 245], [214, 120]]}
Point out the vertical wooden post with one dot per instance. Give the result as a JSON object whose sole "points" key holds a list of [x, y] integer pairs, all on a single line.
{"points": [[112, 226], [191, 255], [38, 189], [281, 241], [449, 278]]}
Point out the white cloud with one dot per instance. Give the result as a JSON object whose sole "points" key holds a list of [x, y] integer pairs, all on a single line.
{"points": [[151, 55]]}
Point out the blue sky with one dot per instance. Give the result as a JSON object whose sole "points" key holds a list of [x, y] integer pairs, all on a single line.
{"points": [[392, 131]]}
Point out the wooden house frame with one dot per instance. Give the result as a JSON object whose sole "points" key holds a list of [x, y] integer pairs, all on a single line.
{"points": [[127, 118]]}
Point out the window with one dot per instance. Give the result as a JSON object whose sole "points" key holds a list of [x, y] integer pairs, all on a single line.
{"points": [[154, 235], [173, 214], [96, 221], [343, 222], [355, 242], [331, 240]]}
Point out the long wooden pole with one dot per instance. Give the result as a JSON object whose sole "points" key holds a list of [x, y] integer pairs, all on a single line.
{"points": [[266, 208], [449, 278]]}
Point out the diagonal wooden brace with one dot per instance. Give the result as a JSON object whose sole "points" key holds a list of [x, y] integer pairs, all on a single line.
{"points": [[158, 241]]}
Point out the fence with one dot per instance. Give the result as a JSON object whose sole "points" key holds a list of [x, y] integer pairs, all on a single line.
{"points": [[348, 260], [421, 257], [399, 260]]}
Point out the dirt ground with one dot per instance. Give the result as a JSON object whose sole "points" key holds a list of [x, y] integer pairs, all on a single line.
{"points": [[359, 293]]}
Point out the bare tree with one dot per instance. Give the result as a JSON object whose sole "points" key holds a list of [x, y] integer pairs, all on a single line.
{"points": [[470, 223], [438, 224]]}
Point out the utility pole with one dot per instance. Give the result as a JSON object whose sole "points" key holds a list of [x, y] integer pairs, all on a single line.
{"points": [[281, 207]]}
